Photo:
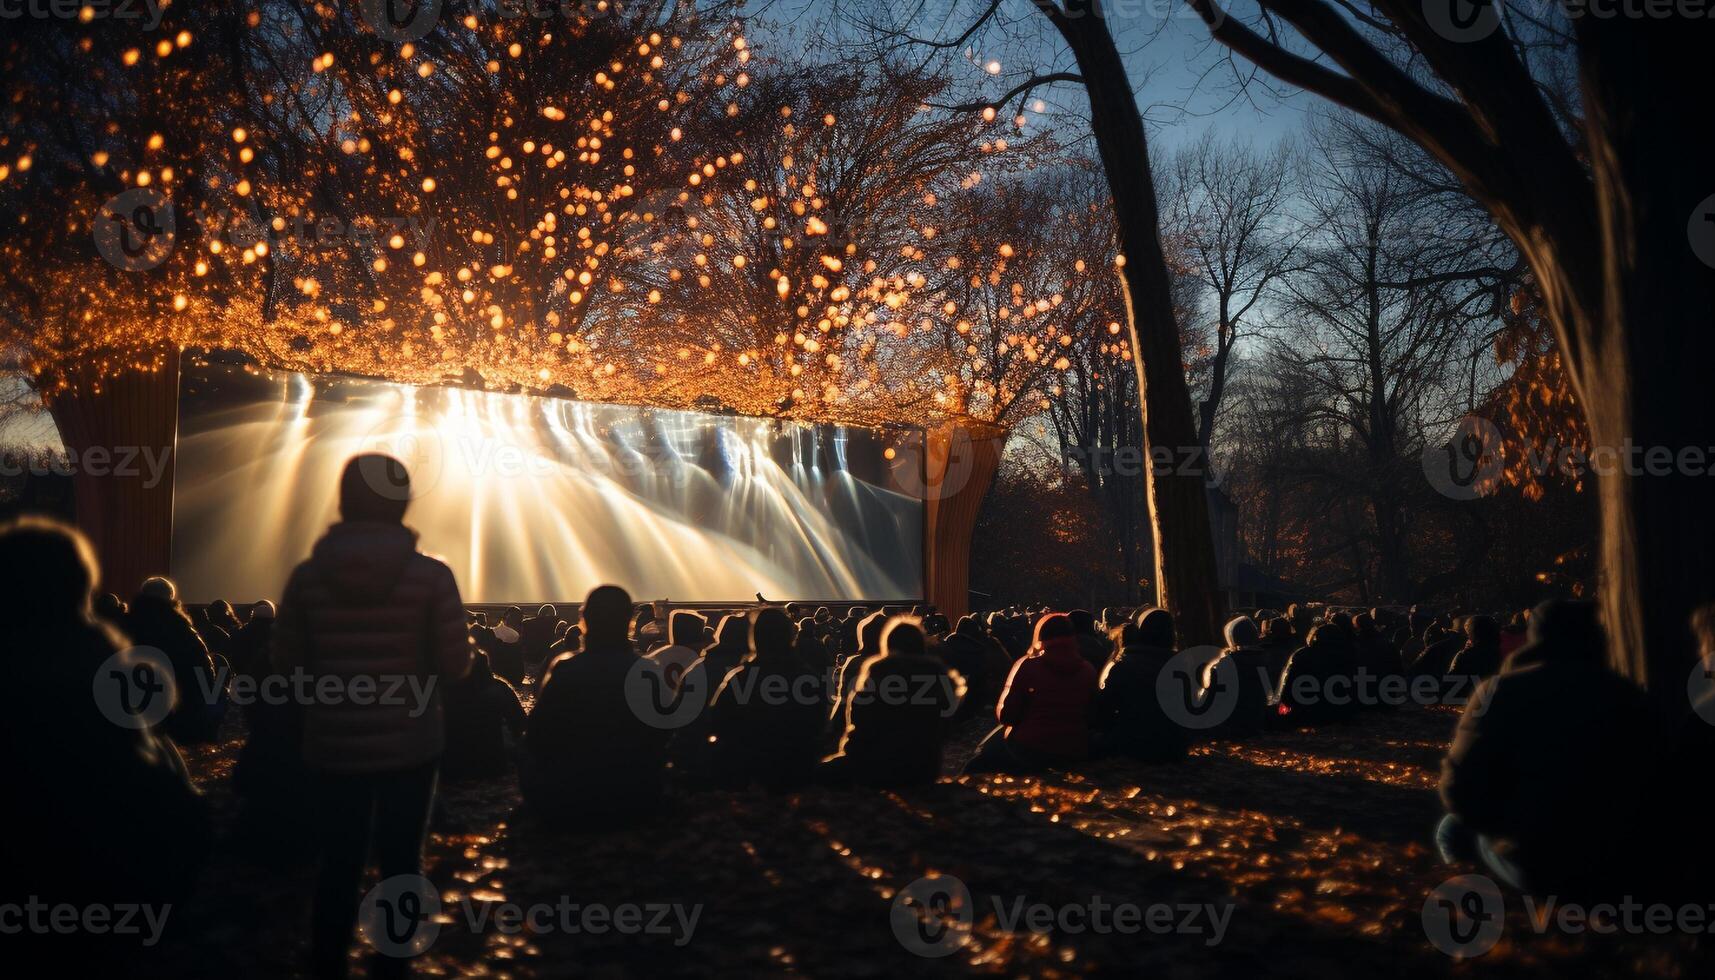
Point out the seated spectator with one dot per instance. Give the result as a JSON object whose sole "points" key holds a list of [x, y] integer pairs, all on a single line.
{"points": [[685, 630], [221, 623], [645, 629], [766, 720], [936, 626], [845, 675], [1092, 646], [1513, 635], [273, 784], [485, 719], [897, 715], [1302, 616], [537, 634], [811, 650], [981, 661], [732, 644], [566, 640], [97, 812], [1044, 711], [251, 645], [1415, 638], [365, 608], [1481, 655], [1010, 632], [111, 610], [1545, 762], [690, 745], [1244, 663], [590, 761], [1439, 648], [481, 634], [1320, 683], [506, 649], [1280, 641], [1377, 656], [158, 620], [1128, 715]]}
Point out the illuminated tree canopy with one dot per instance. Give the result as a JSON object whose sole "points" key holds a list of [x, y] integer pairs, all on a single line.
{"points": [[624, 203]]}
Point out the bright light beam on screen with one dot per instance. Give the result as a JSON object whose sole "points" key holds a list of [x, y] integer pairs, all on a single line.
{"points": [[532, 499]]}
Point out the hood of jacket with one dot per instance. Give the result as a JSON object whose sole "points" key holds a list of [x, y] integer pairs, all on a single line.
{"points": [[1062, 654], [361, 561]]}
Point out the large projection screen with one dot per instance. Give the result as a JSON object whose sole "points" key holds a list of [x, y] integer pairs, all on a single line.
{"points": [[533, 499]]}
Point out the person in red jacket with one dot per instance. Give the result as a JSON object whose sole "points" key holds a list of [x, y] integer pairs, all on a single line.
{"points": [[1044, 712], [368, 613]]}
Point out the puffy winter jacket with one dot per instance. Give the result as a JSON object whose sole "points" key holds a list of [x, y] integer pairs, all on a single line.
{"points": [[367, 604], [1046, 704], [1129, 711], [897, 716], [1549, 757]]}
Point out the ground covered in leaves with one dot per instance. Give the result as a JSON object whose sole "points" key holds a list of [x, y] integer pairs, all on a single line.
{"points": [[1320, 841]]}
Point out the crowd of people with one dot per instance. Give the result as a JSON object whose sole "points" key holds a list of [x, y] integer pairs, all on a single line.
{"points": [[631, 703]]}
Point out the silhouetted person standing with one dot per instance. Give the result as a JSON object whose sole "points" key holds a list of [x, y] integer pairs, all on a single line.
{"points": [[369, 610]]}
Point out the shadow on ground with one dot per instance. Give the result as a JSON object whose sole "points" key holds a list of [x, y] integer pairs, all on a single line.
{"points": [[1309, 849]]}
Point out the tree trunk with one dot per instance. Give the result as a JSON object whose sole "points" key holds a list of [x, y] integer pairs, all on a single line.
{"points": [[957, 469], [1185, 573], [1630, 303], [120, 433], [1644, 378]]}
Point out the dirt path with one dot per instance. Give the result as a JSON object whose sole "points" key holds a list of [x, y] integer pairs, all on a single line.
{"points": [[1311, 850]]}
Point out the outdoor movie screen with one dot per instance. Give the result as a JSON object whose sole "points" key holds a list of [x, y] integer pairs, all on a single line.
{"points": [[533, 499]]}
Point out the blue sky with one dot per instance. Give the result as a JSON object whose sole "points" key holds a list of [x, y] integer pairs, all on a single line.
{"points": [[1184, 84]]}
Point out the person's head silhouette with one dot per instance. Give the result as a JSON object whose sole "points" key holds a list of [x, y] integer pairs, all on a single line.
{"points": [[375, 488], [606, 617], [47, 571]]}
